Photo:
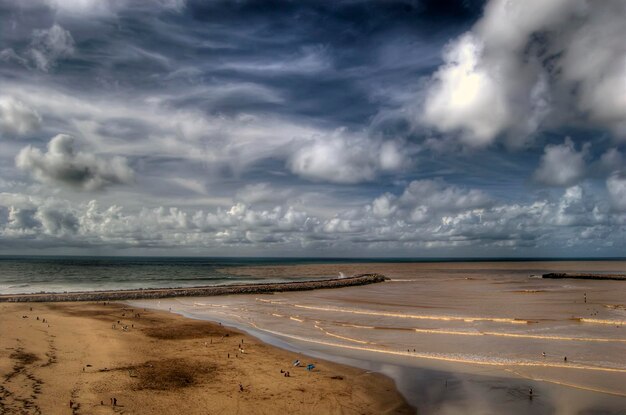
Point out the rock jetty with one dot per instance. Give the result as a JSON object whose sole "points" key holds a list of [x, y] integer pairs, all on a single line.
{"points": [[361, 279], [585, 276]]}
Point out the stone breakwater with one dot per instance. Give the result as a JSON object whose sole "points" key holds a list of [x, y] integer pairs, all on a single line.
{"points": [[361, 279], [585, 276]]}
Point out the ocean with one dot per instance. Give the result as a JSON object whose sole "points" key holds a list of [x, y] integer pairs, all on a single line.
{"points": [[33, 274]]}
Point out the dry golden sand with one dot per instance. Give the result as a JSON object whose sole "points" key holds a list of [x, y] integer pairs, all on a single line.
{"points": [[165, 364]]}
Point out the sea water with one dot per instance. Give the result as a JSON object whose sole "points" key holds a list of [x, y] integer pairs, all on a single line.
{"points": [[32, 274]]}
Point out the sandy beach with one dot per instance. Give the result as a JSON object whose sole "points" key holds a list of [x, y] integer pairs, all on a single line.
{"points": [[444, 338], [86, 354]]}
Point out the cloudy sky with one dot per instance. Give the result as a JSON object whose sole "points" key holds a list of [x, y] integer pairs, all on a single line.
{"points": [[313, 128]]}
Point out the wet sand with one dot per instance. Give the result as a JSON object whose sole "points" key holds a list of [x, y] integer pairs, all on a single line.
{"points": [[457, 337], [161, 363]]}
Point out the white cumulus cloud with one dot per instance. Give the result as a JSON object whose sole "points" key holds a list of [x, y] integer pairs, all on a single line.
{"points": [[523, 61], [345, 158], [466, 95], [616, 185], [17, 118], [63, 164], [561, 165]]}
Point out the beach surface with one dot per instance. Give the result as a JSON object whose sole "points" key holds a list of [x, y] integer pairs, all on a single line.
{"points": [[86, 354], [457, 338]]}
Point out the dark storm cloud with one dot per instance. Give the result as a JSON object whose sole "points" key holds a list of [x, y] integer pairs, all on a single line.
{"points": [[318, 56]]}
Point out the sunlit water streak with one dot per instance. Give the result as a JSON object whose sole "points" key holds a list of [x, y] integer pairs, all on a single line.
{"points": [[520, 336], [478, 360], [453, 332], [600, 321], [441, 357], [412, 316]]}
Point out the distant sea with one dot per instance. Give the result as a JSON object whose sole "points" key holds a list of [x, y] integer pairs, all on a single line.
{"points": [[31, 274]]}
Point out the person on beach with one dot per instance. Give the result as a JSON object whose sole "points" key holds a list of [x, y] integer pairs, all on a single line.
{"points": [[114, 401]]}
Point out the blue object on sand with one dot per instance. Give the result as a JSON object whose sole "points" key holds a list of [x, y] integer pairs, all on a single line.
{"points": [[310, 367]]}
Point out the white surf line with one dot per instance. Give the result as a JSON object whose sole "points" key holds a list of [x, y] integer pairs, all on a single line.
{"points": [[196, 304], [599, 321], [262, 300], [350, 339], [439, 357], [516, 335], [571, 385], [412, 316], [357, 326]]}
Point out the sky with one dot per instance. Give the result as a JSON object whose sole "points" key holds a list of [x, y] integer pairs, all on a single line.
{"points": [[313, 128]]}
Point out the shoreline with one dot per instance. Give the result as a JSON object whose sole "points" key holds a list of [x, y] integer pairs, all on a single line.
{"points": [[204, 291], [86, 354], [442, 381]]}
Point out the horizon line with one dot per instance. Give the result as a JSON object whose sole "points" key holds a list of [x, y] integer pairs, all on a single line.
{"points": [[330, 259]]}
